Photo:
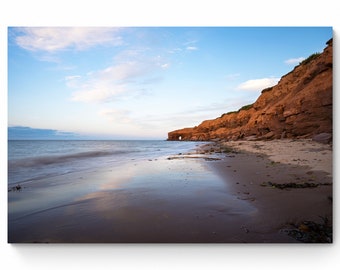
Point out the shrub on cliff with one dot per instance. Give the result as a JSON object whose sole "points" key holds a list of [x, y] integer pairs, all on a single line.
{"points": [[246, 107], [310, 58]]}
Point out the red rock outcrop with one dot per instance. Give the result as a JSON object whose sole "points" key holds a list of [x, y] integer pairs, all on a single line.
{"points": [[299, 106]]}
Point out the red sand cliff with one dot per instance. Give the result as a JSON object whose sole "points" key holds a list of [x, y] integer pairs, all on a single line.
{"points": [[300, 105]]}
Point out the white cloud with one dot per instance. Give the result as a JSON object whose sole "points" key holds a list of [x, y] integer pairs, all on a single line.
{"points": [[258, 84], [97, 94], [131, 68], [131, 54], [72, 81], [124, 71], [51, 39], [294, 61], [165, 66], [189, 42], [192, 48], [191, 45], [93, 87], [72, 77], [106, 84]]}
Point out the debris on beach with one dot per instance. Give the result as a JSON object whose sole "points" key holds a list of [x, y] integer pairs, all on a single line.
{"points": [[312, 232], [15, 188], [191, 156], [294, 185], [246, 230], [211, 159]]}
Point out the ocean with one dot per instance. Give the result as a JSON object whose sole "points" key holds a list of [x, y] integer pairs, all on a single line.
{"points": [[30, 160]]}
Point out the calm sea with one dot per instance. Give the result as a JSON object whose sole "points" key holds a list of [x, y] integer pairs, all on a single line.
{"points": [[30, 160]]}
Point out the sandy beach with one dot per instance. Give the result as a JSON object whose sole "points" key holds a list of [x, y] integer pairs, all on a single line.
{"points": [[288, 181], [303, 152], [220, 193]]}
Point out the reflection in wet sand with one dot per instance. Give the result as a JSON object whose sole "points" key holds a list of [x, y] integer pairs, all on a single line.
{"points": [[146, 201]]}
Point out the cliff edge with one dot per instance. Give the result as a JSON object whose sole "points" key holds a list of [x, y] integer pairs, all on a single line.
{"points": [[299, 106]]}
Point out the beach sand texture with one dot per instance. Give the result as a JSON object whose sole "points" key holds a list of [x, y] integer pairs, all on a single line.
{"points": [[289, 182], [301, 152]]}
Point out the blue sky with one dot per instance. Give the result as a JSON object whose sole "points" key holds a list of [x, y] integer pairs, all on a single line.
{"points": [[142, 82]]}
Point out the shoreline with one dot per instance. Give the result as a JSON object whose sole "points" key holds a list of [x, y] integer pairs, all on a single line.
{"points": [[217, 193]]}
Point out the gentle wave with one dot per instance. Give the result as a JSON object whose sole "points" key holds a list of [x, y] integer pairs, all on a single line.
{"points": [[47, 160], [33, 160]]}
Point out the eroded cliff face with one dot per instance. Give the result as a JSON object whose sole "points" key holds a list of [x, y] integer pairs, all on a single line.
{"points": [[299, 106]]}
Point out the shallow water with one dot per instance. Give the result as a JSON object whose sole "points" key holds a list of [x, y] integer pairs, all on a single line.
{"points": [[138, 200], [30, 160]]}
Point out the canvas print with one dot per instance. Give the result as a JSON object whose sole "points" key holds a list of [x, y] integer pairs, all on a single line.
{"points": [[170, 135]]}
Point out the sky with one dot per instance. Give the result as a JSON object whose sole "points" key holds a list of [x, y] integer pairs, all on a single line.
{"points": [[143, 82]]}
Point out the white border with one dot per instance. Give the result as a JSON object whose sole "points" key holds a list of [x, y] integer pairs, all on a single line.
{"points": [[163, 13]]}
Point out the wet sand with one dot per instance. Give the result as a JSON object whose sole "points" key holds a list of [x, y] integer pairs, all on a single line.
{"points": [[195, 198], [156, 201]]}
